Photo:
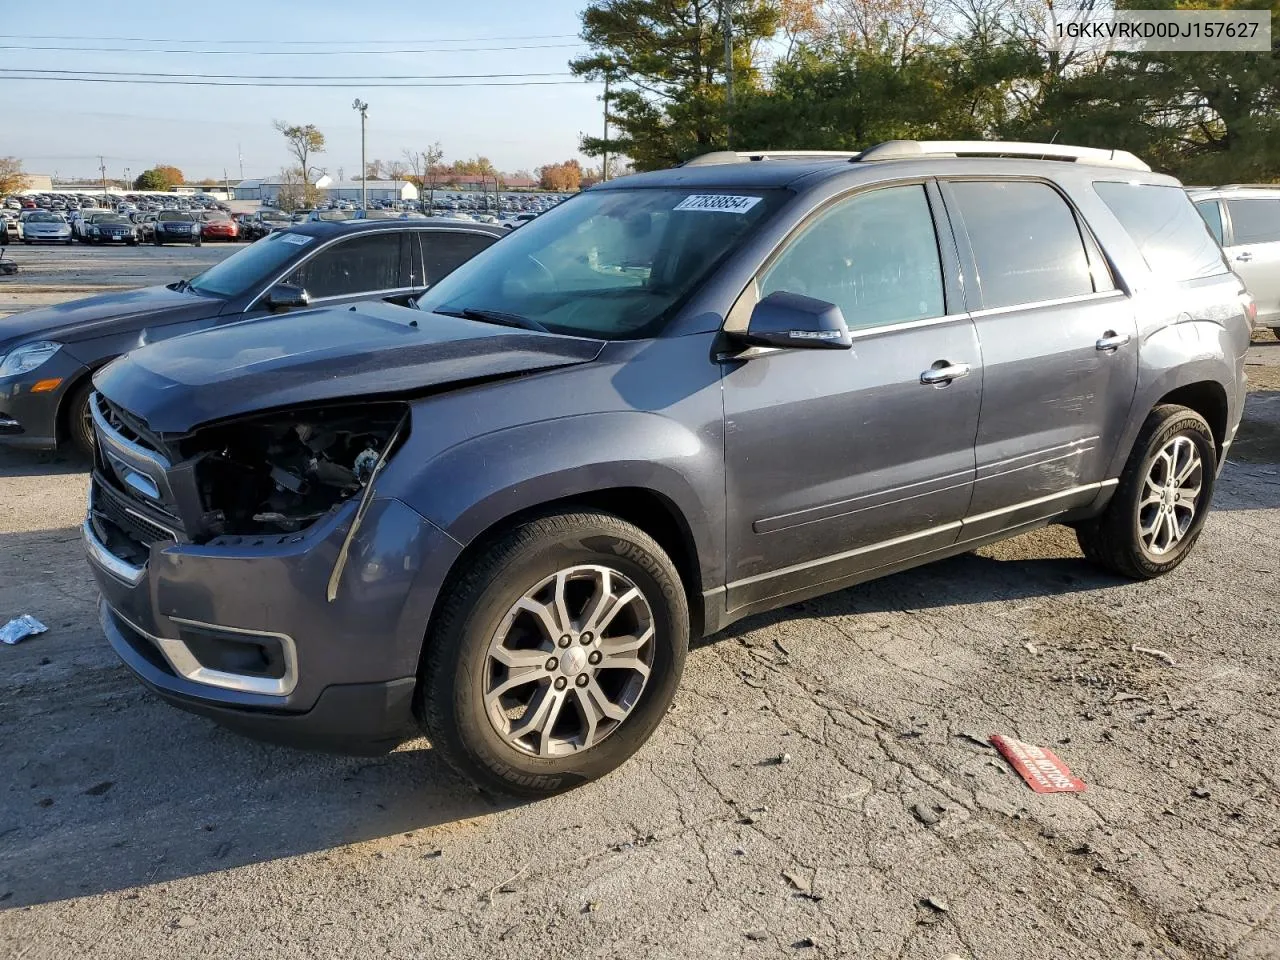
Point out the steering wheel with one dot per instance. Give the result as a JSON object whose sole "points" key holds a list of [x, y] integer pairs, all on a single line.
{"points": [[551, 277]]}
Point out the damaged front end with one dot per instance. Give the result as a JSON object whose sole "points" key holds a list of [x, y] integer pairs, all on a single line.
{"points": [[281, 472], [268, 474]]}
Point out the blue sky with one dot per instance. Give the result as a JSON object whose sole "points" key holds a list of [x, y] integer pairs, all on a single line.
{"points": [[62, 127]]}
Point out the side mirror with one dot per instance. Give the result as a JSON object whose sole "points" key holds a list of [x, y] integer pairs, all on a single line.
{"points": [[287, 296], [790, 320]]}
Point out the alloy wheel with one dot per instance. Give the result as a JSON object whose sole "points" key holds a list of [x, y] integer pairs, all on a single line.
{"points": [[569, 661], [1170, 495]]}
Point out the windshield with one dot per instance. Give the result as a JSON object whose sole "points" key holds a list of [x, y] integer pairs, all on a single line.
{"points": [[211, 215], [170, 217], [611, 263], [248, 268], [275, 216], [44, 218], [111, 218], [333, 215]]}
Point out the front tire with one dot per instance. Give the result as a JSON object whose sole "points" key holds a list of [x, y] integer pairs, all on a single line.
{"points": [[79, 422], [556, 654], [1159, 507]]}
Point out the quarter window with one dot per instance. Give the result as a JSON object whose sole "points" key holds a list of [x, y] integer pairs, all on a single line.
{"points": [[1254, 221], [874, 255], [1212, 216], [359, 265], [1163, 223], [1025, 240]]}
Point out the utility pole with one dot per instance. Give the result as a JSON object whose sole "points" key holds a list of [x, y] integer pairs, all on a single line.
{"points": [[604, 163], [240, 154], [226, 186], [102, 169], [727, 8], [127, 181], [358, 104]]}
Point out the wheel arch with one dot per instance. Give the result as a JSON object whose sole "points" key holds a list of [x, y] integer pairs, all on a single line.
{"points": [[1207, 398], [649, 510]]}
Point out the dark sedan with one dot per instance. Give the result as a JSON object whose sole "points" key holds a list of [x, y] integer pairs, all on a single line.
{"points": [[173, 226], [48, 355], [112, 228]]}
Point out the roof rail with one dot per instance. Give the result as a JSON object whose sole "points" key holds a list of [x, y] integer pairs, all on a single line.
{"points": [[1241, 186], [742, 156], [909, 149]]}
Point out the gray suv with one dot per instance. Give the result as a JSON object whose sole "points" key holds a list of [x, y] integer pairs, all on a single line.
{"points": [[678, 399]]}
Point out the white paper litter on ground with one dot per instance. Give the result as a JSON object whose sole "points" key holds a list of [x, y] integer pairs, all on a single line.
{"points": [[20, 628]]}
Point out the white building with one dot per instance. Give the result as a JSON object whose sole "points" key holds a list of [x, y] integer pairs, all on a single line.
{"points": [[269, 190], [378, 190]]}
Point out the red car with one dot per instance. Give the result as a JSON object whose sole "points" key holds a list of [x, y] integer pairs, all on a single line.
{"points": [[218, 226]]}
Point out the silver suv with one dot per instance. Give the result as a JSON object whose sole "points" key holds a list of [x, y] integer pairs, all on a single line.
{"points": [[1246, 222]]}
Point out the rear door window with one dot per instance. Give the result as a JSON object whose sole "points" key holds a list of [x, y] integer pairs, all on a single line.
{"points": [[1254, 221], [366, 264], [1026, 244], [443, 251], [1175, 240]]}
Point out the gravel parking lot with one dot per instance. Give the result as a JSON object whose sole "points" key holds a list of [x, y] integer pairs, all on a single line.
{"points": [[822, 787]]}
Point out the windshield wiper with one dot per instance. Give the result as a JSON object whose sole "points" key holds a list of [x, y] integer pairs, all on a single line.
{"points": [[495, 316], [181, 285]]}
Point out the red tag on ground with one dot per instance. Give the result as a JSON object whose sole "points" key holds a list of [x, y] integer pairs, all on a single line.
{"points": [[1042, 770]]}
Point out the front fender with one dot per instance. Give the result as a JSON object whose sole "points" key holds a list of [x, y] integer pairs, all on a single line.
{"points": [[482, 480]]}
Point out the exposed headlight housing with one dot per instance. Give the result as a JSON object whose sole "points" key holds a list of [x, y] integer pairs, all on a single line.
{"points": [[27, 357]]}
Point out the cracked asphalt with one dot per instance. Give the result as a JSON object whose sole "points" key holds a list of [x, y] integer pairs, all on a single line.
{"points": [[821, 787]]}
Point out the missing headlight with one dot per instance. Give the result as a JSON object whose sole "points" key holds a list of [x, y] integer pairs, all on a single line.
{"points": [[281, 472]]}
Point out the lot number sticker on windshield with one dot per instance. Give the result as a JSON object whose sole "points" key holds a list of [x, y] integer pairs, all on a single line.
{"points": [[717, 203], [299, 239]]}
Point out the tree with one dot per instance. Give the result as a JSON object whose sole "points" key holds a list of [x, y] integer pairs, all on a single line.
{"points": [[171, 176], [12, 178], [1204, 117], [560, 177], [373, 170], [159, 177], [293, 189], [424, 170], [149, 180], [303, 142], [664, 61]]}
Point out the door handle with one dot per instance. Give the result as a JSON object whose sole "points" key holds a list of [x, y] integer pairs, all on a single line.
{"points": [[1244, 257], [942, 373], [1112, 341]]}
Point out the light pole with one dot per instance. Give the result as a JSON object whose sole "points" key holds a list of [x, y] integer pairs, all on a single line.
{"points": [[127, 182], [358, 104]]}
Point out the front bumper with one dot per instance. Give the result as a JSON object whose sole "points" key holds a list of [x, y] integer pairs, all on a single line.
{"points": [[31, 419], [333, 675]]}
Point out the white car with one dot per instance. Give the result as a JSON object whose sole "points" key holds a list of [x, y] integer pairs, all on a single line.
{"points": [[45, 227]]}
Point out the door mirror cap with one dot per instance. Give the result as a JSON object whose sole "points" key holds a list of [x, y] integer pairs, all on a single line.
{"points": [[287, 296], [791, 320]]}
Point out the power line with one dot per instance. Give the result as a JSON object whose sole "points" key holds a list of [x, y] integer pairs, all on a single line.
{"points": [[263, 76], [282, 43], [268, 86], [283, 53]]}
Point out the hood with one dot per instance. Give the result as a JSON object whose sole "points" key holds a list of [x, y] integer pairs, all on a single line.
{"points": [[369, 350], [95, 316]]}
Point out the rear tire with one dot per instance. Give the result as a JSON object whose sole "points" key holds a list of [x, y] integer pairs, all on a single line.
{"points": [[1159, 507], [528, 607], [79, 422]]}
